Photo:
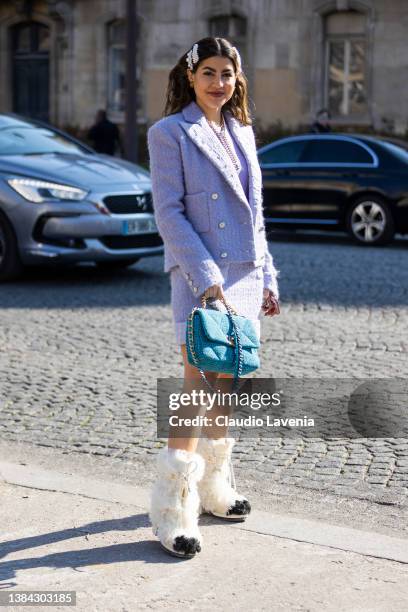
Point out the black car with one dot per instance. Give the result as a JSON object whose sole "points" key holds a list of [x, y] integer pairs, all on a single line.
{"points": [[336, 181]]}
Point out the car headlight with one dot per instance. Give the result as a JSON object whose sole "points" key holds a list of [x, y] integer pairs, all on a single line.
{"points": [[40, 191]]}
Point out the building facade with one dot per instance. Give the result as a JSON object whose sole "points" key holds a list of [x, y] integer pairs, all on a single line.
{"points": [[61, 60]]}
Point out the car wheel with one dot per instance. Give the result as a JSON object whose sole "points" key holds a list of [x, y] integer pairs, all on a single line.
{"points": [[10, 263], [370, 222], [116, 265]]}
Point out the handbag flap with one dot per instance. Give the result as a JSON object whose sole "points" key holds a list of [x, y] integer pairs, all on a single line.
{"points": [[217, 326]]}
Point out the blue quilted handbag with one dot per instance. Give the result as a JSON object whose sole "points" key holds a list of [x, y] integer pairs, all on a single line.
{"points": [[221, 342]]}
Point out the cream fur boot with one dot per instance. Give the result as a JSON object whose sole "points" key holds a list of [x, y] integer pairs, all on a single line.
{"points": [[174, 507], [217, 487]]}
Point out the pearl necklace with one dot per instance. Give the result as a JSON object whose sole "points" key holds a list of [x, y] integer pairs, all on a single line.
{"points": [[223, 139]]}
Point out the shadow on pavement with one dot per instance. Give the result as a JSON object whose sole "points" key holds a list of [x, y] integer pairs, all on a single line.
{"points": [[305, 236], [328, 269], [316, 268], [146, 550], [86, 286]]}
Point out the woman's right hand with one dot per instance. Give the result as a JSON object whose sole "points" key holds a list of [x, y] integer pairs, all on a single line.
{"points": [[215, 292]]}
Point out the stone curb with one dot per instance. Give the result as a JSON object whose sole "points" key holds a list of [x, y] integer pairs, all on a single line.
{"points": [[366, 543]]}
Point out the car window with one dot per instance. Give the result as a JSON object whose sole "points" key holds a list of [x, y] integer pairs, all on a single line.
{"points": [[285, 153], [33, 140], [335, 151]]}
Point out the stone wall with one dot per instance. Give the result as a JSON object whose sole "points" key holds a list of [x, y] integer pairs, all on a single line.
{"points": [[283, 50]]}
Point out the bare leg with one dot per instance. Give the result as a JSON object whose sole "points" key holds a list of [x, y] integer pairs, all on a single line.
{"points": [[223, 384], [192, 381]]}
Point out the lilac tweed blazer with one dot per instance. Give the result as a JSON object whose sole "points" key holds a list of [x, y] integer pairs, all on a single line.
{"points": [[201, 209]]}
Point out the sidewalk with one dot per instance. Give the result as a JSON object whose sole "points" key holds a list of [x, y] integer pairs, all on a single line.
{"points": [[63, 531]]}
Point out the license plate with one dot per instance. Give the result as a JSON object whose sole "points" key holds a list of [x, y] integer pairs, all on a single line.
{"points": [[138, 226]]}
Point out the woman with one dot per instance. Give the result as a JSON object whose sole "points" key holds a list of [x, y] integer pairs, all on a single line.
{"points": [[207, 197]]}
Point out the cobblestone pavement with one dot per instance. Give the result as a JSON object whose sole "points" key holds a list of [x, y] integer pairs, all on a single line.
{"points": [[81, 349]]}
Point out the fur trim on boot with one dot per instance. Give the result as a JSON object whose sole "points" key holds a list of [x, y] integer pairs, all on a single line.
{"points": [[174, 507], [217, 487]]}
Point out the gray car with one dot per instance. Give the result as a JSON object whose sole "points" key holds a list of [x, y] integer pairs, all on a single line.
{"points": [[62, 202]]}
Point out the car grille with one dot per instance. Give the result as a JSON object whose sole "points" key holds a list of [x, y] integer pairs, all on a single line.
{"points": [[131, 242], [129, 204]]}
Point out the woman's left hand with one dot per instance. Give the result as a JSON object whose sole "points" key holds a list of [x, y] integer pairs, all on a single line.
{"points": [[270, 304]]}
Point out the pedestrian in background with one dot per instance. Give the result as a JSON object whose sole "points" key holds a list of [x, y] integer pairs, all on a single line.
{"points": [[207, 197], [321, 124], [104, 135]]}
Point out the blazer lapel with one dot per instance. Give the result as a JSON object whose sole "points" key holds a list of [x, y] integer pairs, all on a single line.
{"points": [[244, 139], [197, 128]]}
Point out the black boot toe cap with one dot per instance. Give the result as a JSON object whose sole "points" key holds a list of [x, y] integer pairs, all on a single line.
{"points": [[188, 546], [241, 507]]}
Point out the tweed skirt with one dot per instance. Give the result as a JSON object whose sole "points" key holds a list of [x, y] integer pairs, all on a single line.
{"points": [[243, 290]]}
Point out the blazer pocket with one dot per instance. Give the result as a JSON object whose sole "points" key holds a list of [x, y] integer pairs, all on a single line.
{"points": [[197, 211]]}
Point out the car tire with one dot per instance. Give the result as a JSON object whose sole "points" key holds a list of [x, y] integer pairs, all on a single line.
{"points": [[10, 262], [118, 264], [370, 222]]}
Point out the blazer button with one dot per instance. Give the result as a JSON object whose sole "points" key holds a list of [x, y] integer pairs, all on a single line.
{"points": [[195, 289], [221, 225], [214, 196], [224, 255]]}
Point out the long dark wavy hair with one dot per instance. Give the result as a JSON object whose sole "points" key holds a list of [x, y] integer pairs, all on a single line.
{"points": [[180, 93]]}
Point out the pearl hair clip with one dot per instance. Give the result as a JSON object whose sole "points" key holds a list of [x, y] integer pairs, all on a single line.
{"points": [[192, 57]]}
